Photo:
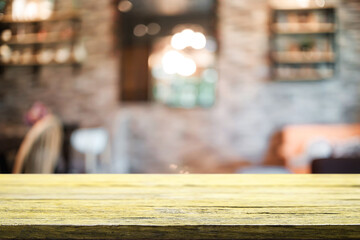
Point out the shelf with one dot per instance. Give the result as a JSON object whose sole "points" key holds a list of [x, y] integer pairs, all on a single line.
{"points": [[303, 58], [60, 16], [303, 28], [41, 44], [309, 79], [304, 61], [35, 41], [33, 38], [34, 64], [312, 30], [304, 32], [299, 8]]}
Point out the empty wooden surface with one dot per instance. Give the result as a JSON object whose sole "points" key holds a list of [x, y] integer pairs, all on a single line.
{"points": [[180, 206]]}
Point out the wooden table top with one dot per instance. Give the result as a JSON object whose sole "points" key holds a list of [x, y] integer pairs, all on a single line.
{"points": [[180, 206]]}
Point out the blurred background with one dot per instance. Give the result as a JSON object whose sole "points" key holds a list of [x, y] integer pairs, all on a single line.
{"points": [[180, 86]]}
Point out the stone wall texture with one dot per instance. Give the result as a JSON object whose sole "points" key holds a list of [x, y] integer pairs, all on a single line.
{"points": [[249, 107]]}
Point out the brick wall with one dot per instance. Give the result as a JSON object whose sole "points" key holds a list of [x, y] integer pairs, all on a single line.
{"points": [[249, 108]]}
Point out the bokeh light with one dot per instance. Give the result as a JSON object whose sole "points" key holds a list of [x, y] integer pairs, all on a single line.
{"points": [[140, 30], [174, 62], [188, 38], [320, 3], [125, 6], [170, 61], [199, 41], [303, 3], [153, 28]]}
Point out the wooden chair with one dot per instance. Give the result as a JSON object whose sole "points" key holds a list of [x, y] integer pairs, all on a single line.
{"points": [[39, 152]]}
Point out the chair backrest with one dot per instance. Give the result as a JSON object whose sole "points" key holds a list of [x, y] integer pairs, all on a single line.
{"points": [[39, 152]]}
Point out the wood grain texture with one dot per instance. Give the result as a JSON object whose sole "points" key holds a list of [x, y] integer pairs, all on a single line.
{"points": [[180, 206]]}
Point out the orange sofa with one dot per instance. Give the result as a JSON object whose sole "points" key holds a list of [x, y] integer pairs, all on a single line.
{"points": [[288, 144]]}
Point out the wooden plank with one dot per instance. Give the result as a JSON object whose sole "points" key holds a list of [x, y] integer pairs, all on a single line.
{"points": [[180, 206]]}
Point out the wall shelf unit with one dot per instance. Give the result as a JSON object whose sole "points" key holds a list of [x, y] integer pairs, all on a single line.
{"points": [[43, 39], [303, 43]]}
